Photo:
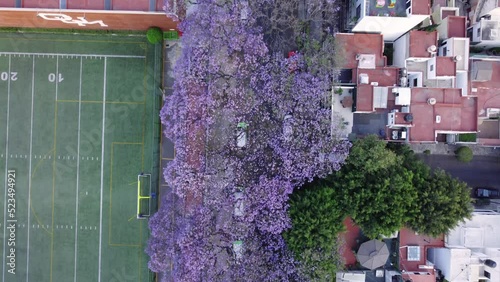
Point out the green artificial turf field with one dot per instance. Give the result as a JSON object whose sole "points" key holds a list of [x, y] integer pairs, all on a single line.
{"points": [[78, 123]]}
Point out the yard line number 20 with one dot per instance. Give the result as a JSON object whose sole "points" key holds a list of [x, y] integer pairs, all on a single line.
{"points": [[5, 76]]}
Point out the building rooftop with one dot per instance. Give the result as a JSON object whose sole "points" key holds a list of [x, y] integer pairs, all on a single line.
{"points": [[481, 8], [420, 41], [456, 26], [353, 44], [386, 8], [382, 76], [421, 7], [364, 98], [485, 79], [457, 47], [409, 238], [481, 231], [490, 30], [446, 13], [445, 66], [422, 67], [419, 277], [379, 77], [450, 113]]}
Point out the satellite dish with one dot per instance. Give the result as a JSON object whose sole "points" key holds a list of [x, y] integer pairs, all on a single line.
{"points": [[409, 118]]}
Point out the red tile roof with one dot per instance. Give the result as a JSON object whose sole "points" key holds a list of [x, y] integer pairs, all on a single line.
{"points": [[399, 118], [457, 26], [384, 76], [446, 13], [364, 98], [408, 238], [420, 278], [350, 237], [488, 92], [457, 113], [420, 7], [352, 44], [445, 66], [420, 41]]}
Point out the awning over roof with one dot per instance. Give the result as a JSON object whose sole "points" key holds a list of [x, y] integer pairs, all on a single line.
{"points": [[380, 97]]}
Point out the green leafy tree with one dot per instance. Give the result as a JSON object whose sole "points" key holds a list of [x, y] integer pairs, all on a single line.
{"points": [[316, 218], [421, 171], [322, 265], [383, 187], [374, 188], [369, 155], [316, 221], [443, 202]]}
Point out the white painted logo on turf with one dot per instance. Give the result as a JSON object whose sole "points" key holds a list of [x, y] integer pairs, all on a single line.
{"points": [[81, 21]]}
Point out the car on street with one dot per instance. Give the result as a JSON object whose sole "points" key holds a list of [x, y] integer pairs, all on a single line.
{"points": [[486, 192]]}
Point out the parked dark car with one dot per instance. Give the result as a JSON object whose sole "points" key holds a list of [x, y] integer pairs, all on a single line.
{"points": [[486, 193]]}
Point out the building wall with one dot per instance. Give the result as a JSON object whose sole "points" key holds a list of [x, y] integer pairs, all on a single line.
{"points": [[401, 50], [454, 263], [443, 29], [431, 68], [476, 32], [362, 5], [440, 257], [493, 254], [391, 27], [462, 82]]}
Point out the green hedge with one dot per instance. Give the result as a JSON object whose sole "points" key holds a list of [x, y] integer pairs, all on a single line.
{"points": [[467, 137], [464, 154]]}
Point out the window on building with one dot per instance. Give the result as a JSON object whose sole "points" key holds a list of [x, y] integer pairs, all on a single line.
{"points": [[487, 274], [358, 11]]}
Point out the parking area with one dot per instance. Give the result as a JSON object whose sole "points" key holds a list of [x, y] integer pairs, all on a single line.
{"points": [[364, 124], [489, 129]]}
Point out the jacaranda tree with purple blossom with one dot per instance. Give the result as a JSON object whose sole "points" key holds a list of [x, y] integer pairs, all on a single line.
{"points": [[237, 191]]}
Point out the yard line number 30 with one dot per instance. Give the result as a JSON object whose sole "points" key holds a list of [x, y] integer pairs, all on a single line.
{"points": [[52, 77]]}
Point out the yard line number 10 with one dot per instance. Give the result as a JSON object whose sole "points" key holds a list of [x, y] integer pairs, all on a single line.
{"points": [[52, 77]]}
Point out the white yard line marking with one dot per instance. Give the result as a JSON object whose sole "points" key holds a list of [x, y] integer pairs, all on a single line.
{"points": [[78, 163], [29, 172], [94, 56], [6, 167], [57, 74], [102, 167]]}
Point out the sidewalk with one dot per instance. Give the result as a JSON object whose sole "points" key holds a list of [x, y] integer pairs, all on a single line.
{"points": [[448, 149], [171, 51]]}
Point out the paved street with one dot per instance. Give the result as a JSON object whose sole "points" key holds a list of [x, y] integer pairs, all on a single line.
{"points": [[481, 171]]}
